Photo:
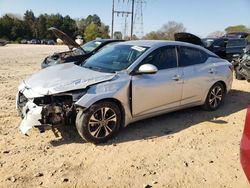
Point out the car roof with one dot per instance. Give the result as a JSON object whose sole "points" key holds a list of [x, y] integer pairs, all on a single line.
{"points": [[159, 43], [108, 40]]}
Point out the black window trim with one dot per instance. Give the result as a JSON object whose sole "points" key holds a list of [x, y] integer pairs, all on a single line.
{"points": [[166, 46], [202, 51]]}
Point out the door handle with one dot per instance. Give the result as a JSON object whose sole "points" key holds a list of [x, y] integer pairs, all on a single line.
{"points": [[211, 71], [176, 77]]}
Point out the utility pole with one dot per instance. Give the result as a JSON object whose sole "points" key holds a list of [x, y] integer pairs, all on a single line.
{"points": [[138, 18], [112, 27], [125, 13], [132, 19]]}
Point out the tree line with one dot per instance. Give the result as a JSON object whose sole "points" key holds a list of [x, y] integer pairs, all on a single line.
{"points": [[15, 28], [167, 31]]}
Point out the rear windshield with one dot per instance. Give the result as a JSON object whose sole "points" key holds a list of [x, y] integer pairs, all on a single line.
{"points": [[236, 42], [90, 46]]}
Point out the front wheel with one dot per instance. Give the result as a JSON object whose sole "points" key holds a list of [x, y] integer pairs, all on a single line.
{"points": [[99, 123], [215, 97]]}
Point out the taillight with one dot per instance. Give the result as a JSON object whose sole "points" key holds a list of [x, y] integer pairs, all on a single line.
{"points": [[231, 67]]}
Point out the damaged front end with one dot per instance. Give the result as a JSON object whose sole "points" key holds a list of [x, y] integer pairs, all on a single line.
{"points": [[47, 111]]}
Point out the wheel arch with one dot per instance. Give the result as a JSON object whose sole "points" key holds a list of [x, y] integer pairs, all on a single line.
{"points": [[117, 102], [224, 85]]}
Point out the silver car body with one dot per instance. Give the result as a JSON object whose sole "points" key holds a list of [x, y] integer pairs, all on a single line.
{"points": [[140, 96]]}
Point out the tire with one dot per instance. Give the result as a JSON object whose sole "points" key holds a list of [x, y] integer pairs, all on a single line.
{"points": [[93, 124], [238, 76], [215, 97]]}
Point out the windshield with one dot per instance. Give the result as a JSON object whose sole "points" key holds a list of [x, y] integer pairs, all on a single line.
{"points": [[236, 42], [90, 46], [114, 58]]}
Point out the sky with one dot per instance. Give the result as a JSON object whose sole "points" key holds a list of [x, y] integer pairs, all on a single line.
{"points": [[199, 17]]}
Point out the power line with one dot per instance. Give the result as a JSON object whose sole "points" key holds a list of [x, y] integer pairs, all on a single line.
{"points": [[138, 18], [135, 13]]}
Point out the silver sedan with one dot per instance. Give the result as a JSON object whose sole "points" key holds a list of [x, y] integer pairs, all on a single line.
{"points": [[122, 84]]}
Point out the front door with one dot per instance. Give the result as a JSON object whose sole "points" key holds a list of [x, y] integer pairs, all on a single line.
{"points": [[162, 90]]}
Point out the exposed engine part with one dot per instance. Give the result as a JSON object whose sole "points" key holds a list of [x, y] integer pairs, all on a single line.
{"points": [[57, 110]]}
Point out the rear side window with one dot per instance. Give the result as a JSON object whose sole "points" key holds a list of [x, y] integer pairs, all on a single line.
{"points": [[162, 58], [191, 56]]}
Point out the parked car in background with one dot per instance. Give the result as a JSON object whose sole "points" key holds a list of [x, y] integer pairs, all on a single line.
{"points": [[76, 53], [245, 146], [35, 41], [24, 41], [51, 42], [44, 41], [225, 47], [216, 45], [121, 84], [3, 42], [235, 46], [236, 35], [241, 65]]}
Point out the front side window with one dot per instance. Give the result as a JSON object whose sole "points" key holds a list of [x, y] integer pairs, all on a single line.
{"points": [[114, 58], [190, 56], [162, 58]]}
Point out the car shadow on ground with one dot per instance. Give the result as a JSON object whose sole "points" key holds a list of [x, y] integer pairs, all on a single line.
{"points": [[168, 123]]}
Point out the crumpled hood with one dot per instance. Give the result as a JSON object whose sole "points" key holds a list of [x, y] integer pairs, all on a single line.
{"points": [[61, 78]]}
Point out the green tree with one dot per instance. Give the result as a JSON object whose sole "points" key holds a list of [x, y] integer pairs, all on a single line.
{"points": [[91, 32], [103, 31], [93, 18], [6, 24], [42, 26], [29, 21], [69, 26]]}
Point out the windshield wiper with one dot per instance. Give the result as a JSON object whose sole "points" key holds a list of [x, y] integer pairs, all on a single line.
{"points": [[94, 68], [99, 69]]}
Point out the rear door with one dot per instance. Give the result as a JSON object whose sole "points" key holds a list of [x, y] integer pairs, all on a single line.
{"points": [[197, 74], [159, 91]]}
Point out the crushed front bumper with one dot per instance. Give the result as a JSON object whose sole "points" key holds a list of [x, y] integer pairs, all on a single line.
{"points": [[31, 117]]}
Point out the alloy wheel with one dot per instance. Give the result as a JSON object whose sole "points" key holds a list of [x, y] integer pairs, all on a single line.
{"points": [[215, 97], [102, 122]]}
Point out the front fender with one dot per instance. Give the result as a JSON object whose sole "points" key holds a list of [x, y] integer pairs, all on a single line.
{"points": [[115, 89]]}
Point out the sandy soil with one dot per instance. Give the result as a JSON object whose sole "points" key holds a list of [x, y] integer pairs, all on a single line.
{"points": [[188, 148]]}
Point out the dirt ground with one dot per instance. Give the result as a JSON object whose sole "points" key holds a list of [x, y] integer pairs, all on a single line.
{"points": [[188, 148]]}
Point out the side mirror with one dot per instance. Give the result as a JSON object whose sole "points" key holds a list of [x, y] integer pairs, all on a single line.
{"points": [[147, 69]]}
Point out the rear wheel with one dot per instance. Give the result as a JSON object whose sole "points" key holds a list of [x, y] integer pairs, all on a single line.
{"points": [[215, 97], [99, 123]]}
